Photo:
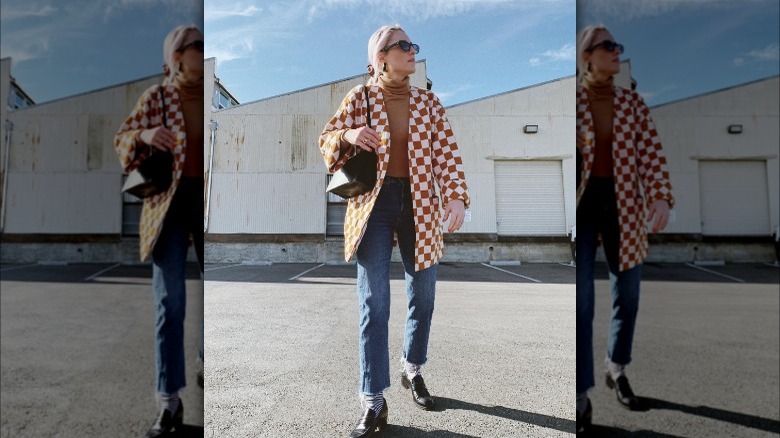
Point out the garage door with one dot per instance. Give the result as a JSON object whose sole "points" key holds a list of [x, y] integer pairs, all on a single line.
{"points": [[529, 198], [734, 198]]}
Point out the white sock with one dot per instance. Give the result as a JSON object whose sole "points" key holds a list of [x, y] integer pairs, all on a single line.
{"points": [[582, 402], [615, 370], [169, 401], [374, 401], [411, 369]]}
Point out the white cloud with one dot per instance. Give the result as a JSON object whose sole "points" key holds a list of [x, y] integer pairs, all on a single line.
{"points": [[446, 95], [14, 12], [627, 10], [650, 96], [563, 54], [768, 53], [218, 14]]}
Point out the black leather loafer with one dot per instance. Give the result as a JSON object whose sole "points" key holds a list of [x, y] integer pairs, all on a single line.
{"points": [[625, 395], [420, 395], [167, 423], [585, 420], [370, 424]]}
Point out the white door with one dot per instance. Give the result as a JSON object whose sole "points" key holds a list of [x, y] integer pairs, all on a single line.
{"points": [[734, 198], [529, 198]]}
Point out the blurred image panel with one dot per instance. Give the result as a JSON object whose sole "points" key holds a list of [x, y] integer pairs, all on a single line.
{"points": [[93, 294], [678, 218]]}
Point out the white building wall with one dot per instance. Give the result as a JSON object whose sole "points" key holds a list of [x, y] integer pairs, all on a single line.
{"points": [[694, 130], [268, 173], [491, 129], [64, 175]]}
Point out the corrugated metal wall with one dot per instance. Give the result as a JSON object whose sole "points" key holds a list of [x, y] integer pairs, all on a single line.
{"points": [[491, 129], [694, 130], [64, 175], [269, 176]]}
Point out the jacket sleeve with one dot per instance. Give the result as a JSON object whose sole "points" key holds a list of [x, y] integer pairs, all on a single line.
{"points": [[335, 150], [129, 147], [447, 163], [651, 161]]}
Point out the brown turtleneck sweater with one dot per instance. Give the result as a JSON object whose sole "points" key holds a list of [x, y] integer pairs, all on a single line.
{"points": [[396, 96], [192, 107], [600, 96]]}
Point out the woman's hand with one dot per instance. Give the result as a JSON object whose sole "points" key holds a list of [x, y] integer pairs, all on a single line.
{"points": [[160, 137], [364, 137], [659, 214], [456, 212]]}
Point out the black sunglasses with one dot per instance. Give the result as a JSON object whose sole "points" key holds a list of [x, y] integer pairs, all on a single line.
{"points": [[609, 46], [405, 46], [197, 45]]}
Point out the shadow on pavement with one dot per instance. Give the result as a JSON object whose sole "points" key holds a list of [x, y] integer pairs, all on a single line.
{"points": [[444, 403], [615, 432], [189, 431], [752, 421], [404, 431]]}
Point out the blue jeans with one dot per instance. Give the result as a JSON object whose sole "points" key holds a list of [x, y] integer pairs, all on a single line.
{"points": [[597, 214], [392, 213], [169, 263]]}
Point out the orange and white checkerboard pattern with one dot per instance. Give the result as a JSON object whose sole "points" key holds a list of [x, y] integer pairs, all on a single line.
{"points": [[147, 114], [639, 164], [433, 155]]}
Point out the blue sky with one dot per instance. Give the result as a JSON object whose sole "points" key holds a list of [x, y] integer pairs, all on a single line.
{"points": [[473, 48], [62, 48], [682, 48]]}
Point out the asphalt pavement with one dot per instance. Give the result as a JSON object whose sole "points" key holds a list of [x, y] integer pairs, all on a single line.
{"points": [[281, 347], [77, 351], [706, 359]]}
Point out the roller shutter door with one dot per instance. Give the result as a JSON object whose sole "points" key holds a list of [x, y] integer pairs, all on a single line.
{"points": [[734, 198], [529, 198]]}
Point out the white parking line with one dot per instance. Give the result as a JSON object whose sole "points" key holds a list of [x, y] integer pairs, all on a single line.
{"points": [[306, 272], [91, 277], [512, 273], [738, 280], [222, 267], [18, 267]]}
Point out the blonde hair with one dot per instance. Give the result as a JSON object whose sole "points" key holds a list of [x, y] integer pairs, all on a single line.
{"points": [[376, 43], [585, 39], [173, 42]]}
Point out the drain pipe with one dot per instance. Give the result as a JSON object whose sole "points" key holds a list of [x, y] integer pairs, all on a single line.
{"points": [[9, 127], [213, 127]]}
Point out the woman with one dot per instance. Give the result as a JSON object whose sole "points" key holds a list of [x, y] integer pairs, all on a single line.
{"points": [[170, 218], [403, 206], [623, 172]]}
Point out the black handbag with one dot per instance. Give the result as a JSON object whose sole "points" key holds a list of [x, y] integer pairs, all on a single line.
{"points": [[358, 174], [155, 173]]}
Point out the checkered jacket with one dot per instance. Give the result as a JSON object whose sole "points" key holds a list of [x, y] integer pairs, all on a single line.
{"points": [[433, 154], [146, 114], [639, 164]]}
